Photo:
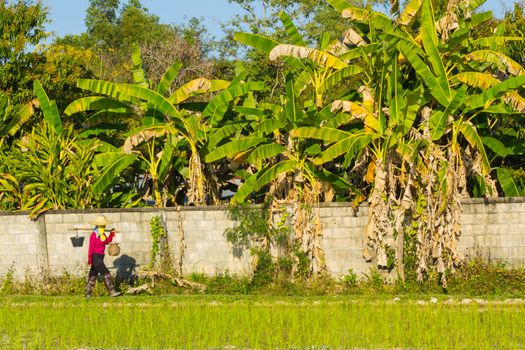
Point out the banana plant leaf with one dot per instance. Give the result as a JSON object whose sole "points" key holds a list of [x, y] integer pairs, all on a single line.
{"points": [[263, 152], [489, 95], [438, 121], [410, 12], [222, 133], [349, 146], [430, 44], [139, 76], [340, 5], [507, 183], [471, 135], [96, 103], [49, 109], [338, 76], [167, 78], [112, 165], [324, 59], [233, 147], [217, 107], [291, 29], [104, 88], [496, 146], [499, 59], [426, 75], [325, 133]]}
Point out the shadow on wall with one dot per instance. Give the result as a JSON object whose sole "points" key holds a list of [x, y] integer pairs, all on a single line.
{"points": [[125, 266]]}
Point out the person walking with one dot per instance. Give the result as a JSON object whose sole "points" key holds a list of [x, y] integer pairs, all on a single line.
{"points": [[97, 246]]}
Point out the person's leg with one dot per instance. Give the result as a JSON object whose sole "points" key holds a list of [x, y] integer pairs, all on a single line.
{"points": [[108, 281], [98, 262], [92, 280]]}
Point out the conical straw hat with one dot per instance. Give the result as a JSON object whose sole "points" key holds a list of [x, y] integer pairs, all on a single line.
{"points": [[100, 221]]}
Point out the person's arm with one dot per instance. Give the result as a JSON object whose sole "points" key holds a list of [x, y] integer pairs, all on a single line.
{"points": [[110, 237], [92, 239]]}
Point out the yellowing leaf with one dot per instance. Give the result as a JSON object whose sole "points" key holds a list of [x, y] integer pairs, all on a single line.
{"points": [[321, 58], [357, 112]]}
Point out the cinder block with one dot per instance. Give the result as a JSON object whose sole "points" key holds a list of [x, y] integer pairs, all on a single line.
{"points": [[130, 217], [215, 215], [72, 219], [325, 212], [193, 215], [53, 219], [26, 239]]}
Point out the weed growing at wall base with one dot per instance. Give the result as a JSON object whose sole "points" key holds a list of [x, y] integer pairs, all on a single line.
{"points": [[475, 278]]}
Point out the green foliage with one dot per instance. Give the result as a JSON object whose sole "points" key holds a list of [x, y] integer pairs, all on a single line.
{"points": [[350, 279], [8, 281], [159, 245], [251, 227], [481, 277]]}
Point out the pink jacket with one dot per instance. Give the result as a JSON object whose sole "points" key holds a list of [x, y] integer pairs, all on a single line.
{"points": [[96, 246]]}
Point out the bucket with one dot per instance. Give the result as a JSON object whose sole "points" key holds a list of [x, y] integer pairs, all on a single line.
{"points": [[113, 249], [78, 241]]}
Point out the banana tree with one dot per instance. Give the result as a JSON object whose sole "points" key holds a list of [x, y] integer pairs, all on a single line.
{"points": [[319, 70], [433, 152], [284, 169], [169, 127]]}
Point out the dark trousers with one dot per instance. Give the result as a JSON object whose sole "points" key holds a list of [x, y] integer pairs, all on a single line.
{"points": [[98, 266]]}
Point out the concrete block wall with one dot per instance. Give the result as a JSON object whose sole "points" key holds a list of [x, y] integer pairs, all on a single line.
{"points": [[492, 229]]}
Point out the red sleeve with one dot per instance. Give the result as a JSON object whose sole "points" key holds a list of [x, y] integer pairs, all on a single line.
{"points": [[110, 237], [91, 245]]}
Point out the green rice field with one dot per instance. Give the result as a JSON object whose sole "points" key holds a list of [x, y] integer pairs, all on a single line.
{"points": [[251, 322]]}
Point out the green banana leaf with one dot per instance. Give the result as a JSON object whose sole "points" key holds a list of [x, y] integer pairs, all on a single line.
{"points": [[264, 152], [349, 146], [256, 41], [489, 95], [218, 106], [471, 135], [340, 5], [338, 76], [496, 146], [167, 157], [104, 88], [49, 109], [476, 79], [112, 165], [268, 126], [196, 87], [267, 175], [96, 103], [499, 59], [221, 133], [507, 183], [430, 44], [167, 78], [234, 147], [139, 76], [425, 73], [291, 29], [410, 12], [325, 133], [438, 121]]}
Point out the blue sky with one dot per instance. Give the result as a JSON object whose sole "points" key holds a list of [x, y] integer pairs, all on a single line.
{"points": [[68, 15]]}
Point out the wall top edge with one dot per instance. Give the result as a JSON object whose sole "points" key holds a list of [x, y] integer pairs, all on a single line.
{"points": [[464, 201]]}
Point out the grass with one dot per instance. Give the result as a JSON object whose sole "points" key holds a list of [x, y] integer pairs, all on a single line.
{"points": [[257, 322]]}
